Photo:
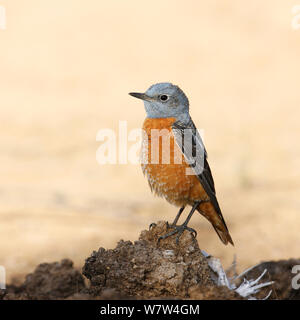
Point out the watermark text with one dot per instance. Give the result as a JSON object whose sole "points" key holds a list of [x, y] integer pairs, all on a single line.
{"points": [[2, 278], [296, 278], [295, 23], [152, 146]]}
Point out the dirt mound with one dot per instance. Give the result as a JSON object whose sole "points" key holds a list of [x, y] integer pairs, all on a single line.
{"points": [[142, 270], [281, 273], [148, 269], [57, 280]]}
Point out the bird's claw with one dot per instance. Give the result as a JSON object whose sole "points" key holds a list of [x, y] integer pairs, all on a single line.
{"points": [[193, 232], [152, 225], [179, 230]]}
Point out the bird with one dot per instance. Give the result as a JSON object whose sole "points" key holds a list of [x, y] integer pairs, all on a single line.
{"points": [[178, 170]]}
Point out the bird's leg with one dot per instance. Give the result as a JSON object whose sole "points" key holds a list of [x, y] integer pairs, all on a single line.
{"points": [[173, 223], [177, 216], [181, 228]]}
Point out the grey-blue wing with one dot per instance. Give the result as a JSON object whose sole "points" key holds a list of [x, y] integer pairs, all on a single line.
{"points": [[191, 144]]}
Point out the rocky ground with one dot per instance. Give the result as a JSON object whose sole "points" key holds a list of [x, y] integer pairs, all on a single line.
{"points": [[145, 269]]}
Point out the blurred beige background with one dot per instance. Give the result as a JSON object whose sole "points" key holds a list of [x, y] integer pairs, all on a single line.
{"points": [[66, 68]]}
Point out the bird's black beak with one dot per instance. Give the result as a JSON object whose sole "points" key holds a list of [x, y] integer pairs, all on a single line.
{"points": [[142, 96]]}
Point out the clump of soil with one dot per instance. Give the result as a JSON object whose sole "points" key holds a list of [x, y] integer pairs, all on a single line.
{"points": [[281, 273], [148, 269], [57, 280], [142, 270]]}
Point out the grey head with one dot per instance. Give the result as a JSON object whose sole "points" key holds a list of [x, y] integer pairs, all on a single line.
{"points": [[165, 100]]}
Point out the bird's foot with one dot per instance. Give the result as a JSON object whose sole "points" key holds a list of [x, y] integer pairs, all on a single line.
{"points": [[168, 226], [179, 230]]}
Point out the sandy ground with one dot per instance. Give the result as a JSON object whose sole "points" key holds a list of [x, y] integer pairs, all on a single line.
{"points": [[65, 70]]}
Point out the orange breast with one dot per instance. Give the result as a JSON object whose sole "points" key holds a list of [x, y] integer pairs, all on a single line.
{"points": [[165, 166]]}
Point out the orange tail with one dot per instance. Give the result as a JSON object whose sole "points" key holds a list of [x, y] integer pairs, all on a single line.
{"points": [[217, 221], [224, 235]]}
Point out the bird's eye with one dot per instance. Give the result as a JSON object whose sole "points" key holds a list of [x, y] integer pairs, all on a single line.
{"points": [[164, 97]]}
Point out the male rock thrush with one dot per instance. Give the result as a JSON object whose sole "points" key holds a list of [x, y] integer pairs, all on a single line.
{"points": [[167, 109]]}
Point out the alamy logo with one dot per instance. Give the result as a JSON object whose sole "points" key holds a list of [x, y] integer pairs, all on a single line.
{"points": [[2, 278], [157, 146], [2, 18], [295, 23], [296, 278]]}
